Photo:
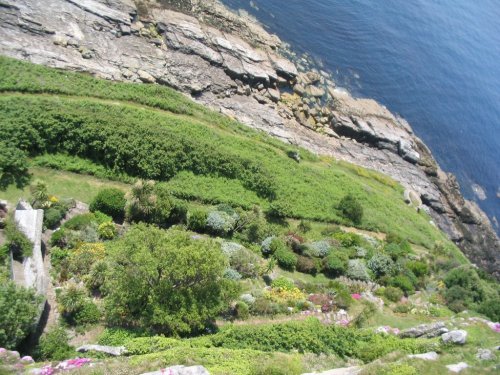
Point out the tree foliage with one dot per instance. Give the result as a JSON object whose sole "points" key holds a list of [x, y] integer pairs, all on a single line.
{"points": [[165, 281], [18, 311], [13, 166]]}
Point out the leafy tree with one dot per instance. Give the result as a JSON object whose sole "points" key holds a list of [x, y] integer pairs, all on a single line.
{"points": [[351, 209], [165, 281], [18, 311], [13, 166]]}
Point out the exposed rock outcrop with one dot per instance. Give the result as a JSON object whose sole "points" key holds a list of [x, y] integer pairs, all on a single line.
{"points": [[230, 63], [424, 330]]}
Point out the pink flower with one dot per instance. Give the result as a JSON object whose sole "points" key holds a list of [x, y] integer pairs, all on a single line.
{"points": [[3, 350], [356, 296], [47, 370]]}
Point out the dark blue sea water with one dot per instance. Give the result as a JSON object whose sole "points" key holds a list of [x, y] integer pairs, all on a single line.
{"points": [[434, 62]]}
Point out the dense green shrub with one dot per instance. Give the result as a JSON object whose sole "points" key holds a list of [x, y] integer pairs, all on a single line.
{"points": [[335, 264], [107, 231], [286, 258], [197, 220], [307, 265], [176, 286], [53, 216], [464, 288], [381, 265], [19, 308], [18, 243], [79, 222], [395, 251], [110, 201], [419, 268], [76, 307], [145, 345], [13, 166], [351, 209], [491, 308], [241, 310], [347, 239], [356, 269], [283, 283], [54, 345], [403, 282], [278, 365], [393, 294]]}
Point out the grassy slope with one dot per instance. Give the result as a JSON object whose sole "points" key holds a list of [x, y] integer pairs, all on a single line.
{"points": [[311, 188], [63, 184]]}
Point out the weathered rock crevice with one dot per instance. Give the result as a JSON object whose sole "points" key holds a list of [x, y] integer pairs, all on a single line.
{"points": [[230, 63]]}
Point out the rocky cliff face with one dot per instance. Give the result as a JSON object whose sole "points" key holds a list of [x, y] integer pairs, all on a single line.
{"points": [[230, 63]]}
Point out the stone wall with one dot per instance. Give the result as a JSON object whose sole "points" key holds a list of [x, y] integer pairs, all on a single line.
{"points": [[32, 274]]}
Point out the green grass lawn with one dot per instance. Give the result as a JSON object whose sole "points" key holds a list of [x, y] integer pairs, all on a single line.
{"points": [[63, 185]]}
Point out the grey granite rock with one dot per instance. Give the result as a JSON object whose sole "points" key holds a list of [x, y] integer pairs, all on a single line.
{"points": [[424, 330], [455, 337], [111, 350]]}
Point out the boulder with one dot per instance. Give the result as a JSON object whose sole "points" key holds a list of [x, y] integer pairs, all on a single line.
{"points": [[145, 76], [180, 370], [485, 355], [429, 356], [111, 350], [458, 336], [457, 367], [424, 330]]}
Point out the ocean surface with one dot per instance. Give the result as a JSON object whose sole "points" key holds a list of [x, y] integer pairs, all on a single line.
{"points": [[434, 62]]}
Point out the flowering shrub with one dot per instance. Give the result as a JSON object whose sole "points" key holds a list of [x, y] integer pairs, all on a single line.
{"points": [[357, 270], [285, 296], [82, 259], [230, 248], [107, 231], [283, 283], [220, 222], [381, 264], [319, 249]]}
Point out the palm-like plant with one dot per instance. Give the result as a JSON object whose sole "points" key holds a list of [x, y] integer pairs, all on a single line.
{"points": [[141, 201]]}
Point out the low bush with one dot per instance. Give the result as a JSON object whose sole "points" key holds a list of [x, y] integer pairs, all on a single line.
{"points": [[351, 209], [307, 265], [241, 310], [318, 249], [286, 258], [220, 223], [107, 231], [356, 269], [283, 283], [17, 241], [146, 345], [381, 265], [79, 222], [342, 294], [196, 221], [53, 216], [335, 264], [19, 308], [402, 282], [491, 308], [419, 268], [393, 294], [54, 345], [110, 201]]}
